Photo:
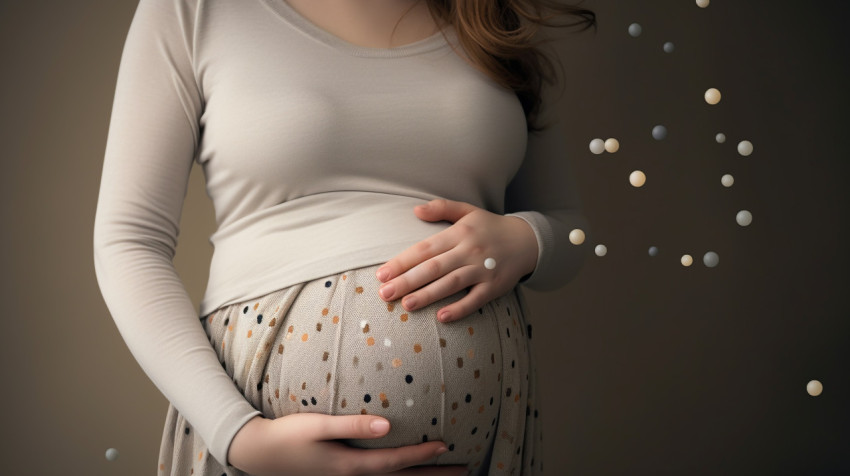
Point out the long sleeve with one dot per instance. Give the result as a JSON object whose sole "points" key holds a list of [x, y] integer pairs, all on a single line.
{"points": [[543, 193], [152, 141]]}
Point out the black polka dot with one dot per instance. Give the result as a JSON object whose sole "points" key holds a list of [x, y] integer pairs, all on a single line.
{"points": [[245, 311], [513, 364], [424, 438], [304, 402], [226, 321], [434, 421], [468, 398], [367, 398], [491, 400], [527, 410], [187, 430], [487, 435], [452, 447], [327, 284], [408, 378], [535, 413], [313, 400], [493, 422], [259, 318], [509, 310], [529, 331], [259, 385], [518, 449], [474, 430], [508, 331], [480, 311]]}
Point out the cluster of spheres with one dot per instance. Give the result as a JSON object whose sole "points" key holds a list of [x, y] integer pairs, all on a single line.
{"points": [[637, 178]]}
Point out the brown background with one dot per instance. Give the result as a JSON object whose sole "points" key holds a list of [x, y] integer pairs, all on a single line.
{"points": [[650, 367]]}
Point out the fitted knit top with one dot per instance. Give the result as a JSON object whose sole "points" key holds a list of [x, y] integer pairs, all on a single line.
{"points": [[315, 151]]}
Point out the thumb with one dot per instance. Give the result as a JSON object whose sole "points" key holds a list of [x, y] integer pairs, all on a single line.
{"points": [[443, 209], [353, 426]]}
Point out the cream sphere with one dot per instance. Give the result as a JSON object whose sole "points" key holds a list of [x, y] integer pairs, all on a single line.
{"points": [[601, 250], [612, 145], [597, 146], [702, 3], [745, 148], [720, 137], [744, 218], [577, 236], [727, 180], [814, 388], [687, 260], [637, 178], [712, 96]]}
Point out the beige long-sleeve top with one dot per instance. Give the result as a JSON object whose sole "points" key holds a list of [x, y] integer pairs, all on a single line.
{"points": [[315, 151]]}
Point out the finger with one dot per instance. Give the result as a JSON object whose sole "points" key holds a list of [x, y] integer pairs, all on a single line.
{"points": [[434, 245], [451, 210], [433, 470], [386, 460], [478, 296], [332, 427], [453, 282], [422, 274]]}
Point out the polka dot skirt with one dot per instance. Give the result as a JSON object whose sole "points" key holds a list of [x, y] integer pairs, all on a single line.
{"points": [[333, 346]]}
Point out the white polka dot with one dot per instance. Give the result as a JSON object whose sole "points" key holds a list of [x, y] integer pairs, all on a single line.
{"points": [[387, 341], [363, 324], [409, 402]]}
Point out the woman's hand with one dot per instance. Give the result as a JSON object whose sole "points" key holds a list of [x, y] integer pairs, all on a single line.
{"points": [[302, 444], [453, 259]]}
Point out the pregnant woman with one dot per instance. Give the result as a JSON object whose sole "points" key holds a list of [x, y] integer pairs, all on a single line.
{"points": [[382, 187]]}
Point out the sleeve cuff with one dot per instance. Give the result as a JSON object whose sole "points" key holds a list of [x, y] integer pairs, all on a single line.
{"points": [[545, 241]]}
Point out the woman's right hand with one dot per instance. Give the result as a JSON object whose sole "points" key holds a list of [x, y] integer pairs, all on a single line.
{"points": [[299, 444]]}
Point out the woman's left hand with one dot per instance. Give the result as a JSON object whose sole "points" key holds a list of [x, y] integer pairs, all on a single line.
{"points": [[453, 259]]}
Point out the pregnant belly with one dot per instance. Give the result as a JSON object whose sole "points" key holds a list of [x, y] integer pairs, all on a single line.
{"points": [[333, 346]]}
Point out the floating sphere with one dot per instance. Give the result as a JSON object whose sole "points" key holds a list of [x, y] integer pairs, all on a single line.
{"points": [[727, 180], [668, 47], [489, 263], [702, 3], [577, 236], [814, 388], [720, 137], [687, 260], [601, 250], [653, 251], [745, 148], [637, 178], [612, 145], [744, 218], [711, 259], [597, 146], [712, 96], [659, 132], [112, 453], [635, 30]]}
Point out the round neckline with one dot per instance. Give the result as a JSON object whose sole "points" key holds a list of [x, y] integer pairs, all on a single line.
{"points": [[302, 23]]}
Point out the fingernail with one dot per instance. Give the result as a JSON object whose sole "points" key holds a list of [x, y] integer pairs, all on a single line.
{"points": [[382, 273], [441, 450], [379, 426], [444, 316], [387, 291], [410, 302]]}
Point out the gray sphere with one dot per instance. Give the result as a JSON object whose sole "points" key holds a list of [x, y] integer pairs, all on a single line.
{"points": [[711, 259], [668, 47], [720, 137], [653, 251], [635, 30], [659, 132], [111, 454]]}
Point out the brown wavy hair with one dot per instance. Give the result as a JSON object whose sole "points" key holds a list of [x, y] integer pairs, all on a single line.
{"points": [[501, 39]]}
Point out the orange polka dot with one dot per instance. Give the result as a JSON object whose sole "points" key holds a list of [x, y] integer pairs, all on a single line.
{"points": [[209, 321], [200, 455], [366, 328], [390, 306], [325, 311], [363, 411], [453, 420], [343, 403], [336, 319], [291, 328], [443, 388], [481, 409], [277, 309], [516, 399], [343, 277], [249, 332], [382, 396], [500, 465], [292, 396], [396, 362], [460, 362], [222, 344], [370, 341], [277, 393], [230, 327], [470, 353], [161, 466], [303, 385], [325, 356], [256, 305], [328, 377], [442, 342], [477, 373], [318, 326], [304, 337], [470, 330], [273, 322], [417, 348], [280, 349], [358, 289], [403, 318]]}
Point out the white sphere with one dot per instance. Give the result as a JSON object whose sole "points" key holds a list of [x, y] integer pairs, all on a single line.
{"points": [[597, 146], [720, 137], [635, 30], [687, 260], [489, 263], [612, 145], [745, 148], [712, 96], [653, 251], [814, 388], [711, 259], [744, 218], [577, 236], [659, 132], [702, 3], [727, 180], [601, 250], [668, 47], [111, 454], [637, 178]]}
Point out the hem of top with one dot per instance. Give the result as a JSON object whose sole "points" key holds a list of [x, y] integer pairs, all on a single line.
{"points": [[305, 26]]}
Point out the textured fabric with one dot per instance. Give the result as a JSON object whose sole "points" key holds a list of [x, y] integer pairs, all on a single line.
{"points": [[332, 346], [315, 152]]}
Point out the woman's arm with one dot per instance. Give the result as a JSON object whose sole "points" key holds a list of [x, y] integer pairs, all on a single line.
{"points": [[543, 193], [152, 142]]}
